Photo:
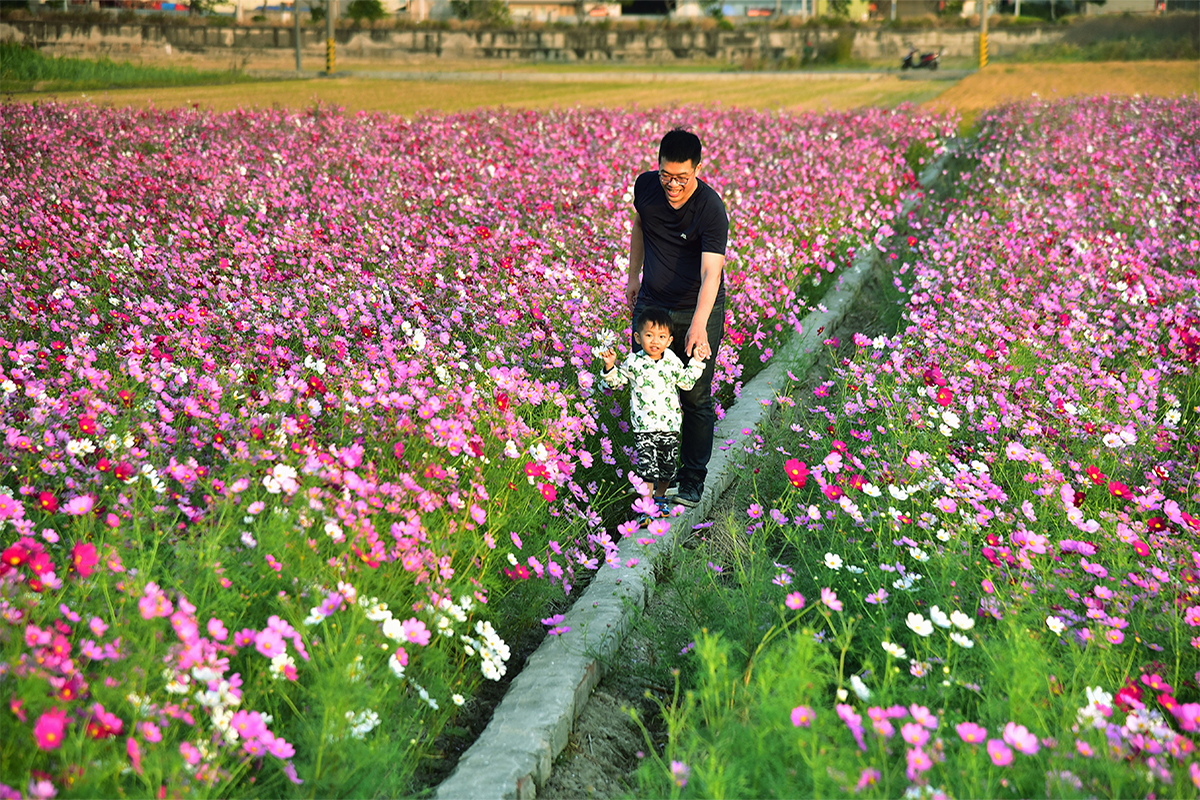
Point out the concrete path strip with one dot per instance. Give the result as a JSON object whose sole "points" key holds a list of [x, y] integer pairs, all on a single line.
{"points": [[514, 754]]}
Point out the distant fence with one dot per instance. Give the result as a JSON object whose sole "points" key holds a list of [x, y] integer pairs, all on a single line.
{"points": [[574, 44]]}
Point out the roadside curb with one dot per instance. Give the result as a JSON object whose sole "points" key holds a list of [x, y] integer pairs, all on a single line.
{"points": [[513, 756]]}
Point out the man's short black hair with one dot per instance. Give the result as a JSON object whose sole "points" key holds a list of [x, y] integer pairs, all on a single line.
{"points": [[679, 146], [653, 315]]}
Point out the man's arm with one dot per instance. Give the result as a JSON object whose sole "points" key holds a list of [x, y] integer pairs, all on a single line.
{"points": [[637, 254], [711, 265]]}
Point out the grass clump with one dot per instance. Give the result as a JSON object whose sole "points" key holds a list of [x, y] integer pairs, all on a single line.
{"points": [[23, 69]]}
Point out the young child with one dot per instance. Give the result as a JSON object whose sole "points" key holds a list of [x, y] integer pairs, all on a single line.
{"points": [[655, 375]]}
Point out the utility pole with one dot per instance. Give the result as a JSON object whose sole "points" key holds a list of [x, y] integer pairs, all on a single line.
{"points": [[296, 30], [330, 10], [983, 14], [893, 10]]}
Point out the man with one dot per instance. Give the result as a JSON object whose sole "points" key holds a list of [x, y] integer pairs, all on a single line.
{"points": [[678, 242]]}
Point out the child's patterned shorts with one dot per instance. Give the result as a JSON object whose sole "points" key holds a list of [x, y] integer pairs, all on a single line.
{"points": [[657, 453]]}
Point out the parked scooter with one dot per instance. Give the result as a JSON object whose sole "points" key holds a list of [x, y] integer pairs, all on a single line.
{"points": [[923, 61]]}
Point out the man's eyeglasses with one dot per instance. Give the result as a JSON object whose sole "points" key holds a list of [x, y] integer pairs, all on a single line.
{"points": [[679, 180]]}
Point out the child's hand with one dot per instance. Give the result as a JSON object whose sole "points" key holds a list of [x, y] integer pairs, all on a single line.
{"points": [[610, 358]]}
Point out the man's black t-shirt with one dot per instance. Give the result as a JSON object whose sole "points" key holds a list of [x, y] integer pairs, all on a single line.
{"points": [[674, 240]]}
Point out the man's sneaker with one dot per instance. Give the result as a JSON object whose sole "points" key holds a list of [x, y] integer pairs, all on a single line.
{"points": [[689, 494]]}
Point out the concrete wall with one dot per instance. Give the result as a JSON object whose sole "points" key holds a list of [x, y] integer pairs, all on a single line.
{"points": [[585, 43]]}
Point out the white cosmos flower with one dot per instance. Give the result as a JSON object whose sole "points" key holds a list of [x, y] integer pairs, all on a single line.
{"points": [[961, 620], [918, 624], [860, 688], [939, 617], [964, 642], [1056, 625], [833, 561], [895, 650], [871, 490], [897, 492]]}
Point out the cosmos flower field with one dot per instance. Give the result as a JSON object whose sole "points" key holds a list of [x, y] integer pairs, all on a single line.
{"points": [[977, 568], [300, 422]]}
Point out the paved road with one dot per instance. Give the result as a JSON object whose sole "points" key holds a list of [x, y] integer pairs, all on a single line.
{"points": [[520, 76]]}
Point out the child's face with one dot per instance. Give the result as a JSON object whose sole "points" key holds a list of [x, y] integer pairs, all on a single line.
{"points": [[655, 339]]}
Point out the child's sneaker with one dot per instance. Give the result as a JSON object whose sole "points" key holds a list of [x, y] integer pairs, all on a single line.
{"points": [[642, 519], [664, 506]]}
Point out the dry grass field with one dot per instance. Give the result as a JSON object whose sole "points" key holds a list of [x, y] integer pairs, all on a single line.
{"points": [[996, 84], [408, 97], [1001, 83]]}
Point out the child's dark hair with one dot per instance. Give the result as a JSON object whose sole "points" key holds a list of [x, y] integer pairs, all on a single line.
{"points": [[653, 315]]}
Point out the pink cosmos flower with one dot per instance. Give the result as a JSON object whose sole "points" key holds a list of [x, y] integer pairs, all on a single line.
{"points": [[84, 558], [830, 598], [1156, 682], [135, 754], [794, 601], [154, 603], [39, 790], [914, 734], [679, 773], [946, 505], [796, 471], [280, 748], [50, 729], [269, 643], [924, 716], [802, 716], [415, 631], [999, 752], [289, 769], [918, 761], [1019, 737], [78, 506], [970, 732], [1118, 489], [217, 630], [151, 732], [867, 778]]}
